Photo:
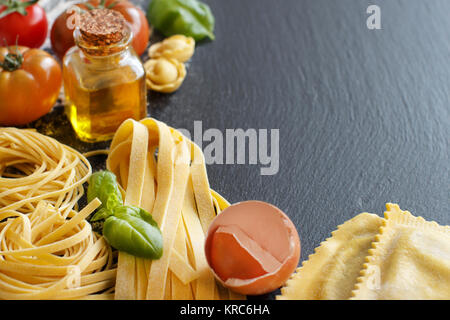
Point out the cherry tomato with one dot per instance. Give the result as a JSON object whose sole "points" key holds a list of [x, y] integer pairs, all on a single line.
{"points": [[62, 37], [23, 23], [30, 82]]}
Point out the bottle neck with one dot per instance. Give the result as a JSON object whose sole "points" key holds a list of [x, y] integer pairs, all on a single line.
{"points": [[105, 62], [95, 50]]}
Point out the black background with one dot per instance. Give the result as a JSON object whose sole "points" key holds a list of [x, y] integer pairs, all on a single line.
{"points": [[363, 114]]}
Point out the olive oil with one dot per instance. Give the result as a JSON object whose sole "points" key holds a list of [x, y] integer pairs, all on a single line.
{"points": [[104, 79], [96, 114]]}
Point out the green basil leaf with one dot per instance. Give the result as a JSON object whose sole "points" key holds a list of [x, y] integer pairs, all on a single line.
{"points": [[103, 185], [101, 214], [191, 18], [134, 231]]}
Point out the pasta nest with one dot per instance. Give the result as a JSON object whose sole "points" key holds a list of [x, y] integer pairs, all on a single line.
{"points": [[35, 167], [45, 255], [164, 74], [47, 247], [177, 47]]}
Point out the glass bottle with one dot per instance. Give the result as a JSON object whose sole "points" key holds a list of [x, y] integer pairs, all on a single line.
{"points": [[104, 83]]}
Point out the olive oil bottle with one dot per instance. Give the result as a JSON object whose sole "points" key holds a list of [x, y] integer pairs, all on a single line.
{"points": [[104, 79]]}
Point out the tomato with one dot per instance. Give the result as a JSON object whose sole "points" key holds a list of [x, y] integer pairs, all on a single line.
{"points": [[25, 23], [30, 82], [62, 37]]}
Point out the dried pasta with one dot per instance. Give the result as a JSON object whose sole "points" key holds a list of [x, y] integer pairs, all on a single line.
{"points": [[35, 167], [399, 256], [47, 248], [173, 186], [45, 256], [332, 271], [410, 259], [164, 74], [177, 47]]}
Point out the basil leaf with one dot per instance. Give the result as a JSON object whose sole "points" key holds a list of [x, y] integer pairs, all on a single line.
{"points": [[126, 228], [134, 231], [191, 18], [103, 185], [101, 214]]}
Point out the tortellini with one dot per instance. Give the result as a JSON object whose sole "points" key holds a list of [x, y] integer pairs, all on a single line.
{"points": [[177, 47], [164, 75], [165, 69]]}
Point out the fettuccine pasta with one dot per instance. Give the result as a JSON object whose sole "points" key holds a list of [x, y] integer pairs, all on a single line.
{"points": [[173, 186]]}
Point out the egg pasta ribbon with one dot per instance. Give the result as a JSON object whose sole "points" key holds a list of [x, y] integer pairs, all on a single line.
{"points": [[163, 172]]}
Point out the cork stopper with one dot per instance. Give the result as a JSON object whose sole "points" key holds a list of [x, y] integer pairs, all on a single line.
{"points": [[102, 28]]}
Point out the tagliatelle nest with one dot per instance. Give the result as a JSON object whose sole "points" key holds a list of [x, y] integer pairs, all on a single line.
{"points": [[177, 47], [164, 74]]}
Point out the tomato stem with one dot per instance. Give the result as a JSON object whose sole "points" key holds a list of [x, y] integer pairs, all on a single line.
{"points": [[101, 5], [112, 5], [12, 61], [16, 6]]}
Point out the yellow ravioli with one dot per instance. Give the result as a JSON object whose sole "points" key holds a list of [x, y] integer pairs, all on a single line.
{"points": [[332, 271], [409, 260]]}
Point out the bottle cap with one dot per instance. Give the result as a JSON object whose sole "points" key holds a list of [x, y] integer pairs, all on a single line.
{"points": [[102, 28]]}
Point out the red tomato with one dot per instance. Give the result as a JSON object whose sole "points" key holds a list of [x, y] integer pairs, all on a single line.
{"points": [[26, 25], [62, 38], [30, 81]]}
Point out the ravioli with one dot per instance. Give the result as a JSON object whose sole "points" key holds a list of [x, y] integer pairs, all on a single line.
{"points": [[409, 260], [332, 271]]}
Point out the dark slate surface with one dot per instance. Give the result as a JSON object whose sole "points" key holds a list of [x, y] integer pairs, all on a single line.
{"points": [[363, 114]]}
